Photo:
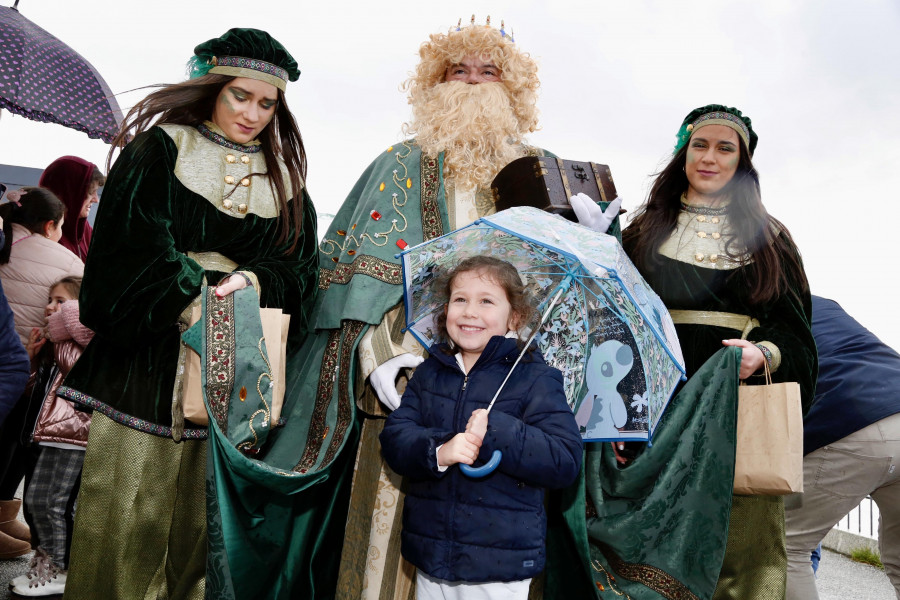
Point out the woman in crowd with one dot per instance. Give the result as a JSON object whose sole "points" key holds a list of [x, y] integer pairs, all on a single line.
{"points": [[31, 260], [210, 191], [75, 181], [731, 275]]}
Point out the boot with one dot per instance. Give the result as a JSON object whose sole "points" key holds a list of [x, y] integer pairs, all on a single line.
{"points": [[10, 547], [9, 510]]}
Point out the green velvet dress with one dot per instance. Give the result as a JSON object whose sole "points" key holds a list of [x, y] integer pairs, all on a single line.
{"points": [[141, 525], [667, 525]]}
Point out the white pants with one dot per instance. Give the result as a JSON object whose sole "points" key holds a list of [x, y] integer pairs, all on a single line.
{"points": [[430, 588], [836, 478]]}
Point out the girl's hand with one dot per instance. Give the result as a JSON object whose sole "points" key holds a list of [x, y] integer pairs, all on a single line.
{"points": [[232, 284], [477, 424], [36, 341], [462, 448], [752, 358]]}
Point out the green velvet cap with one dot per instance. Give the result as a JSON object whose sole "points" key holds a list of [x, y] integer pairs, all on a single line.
{"points": [[244, 52], [716, 114]]}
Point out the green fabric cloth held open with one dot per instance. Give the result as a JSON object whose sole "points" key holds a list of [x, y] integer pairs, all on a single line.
{"points": [[261, 528], [659, 526]]}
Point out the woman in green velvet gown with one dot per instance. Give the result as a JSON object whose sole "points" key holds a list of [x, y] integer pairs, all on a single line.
{"points": [[209, 191], [707, 246]]}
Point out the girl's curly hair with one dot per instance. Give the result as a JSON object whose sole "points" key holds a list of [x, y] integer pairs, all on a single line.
{"points": [[500, 272]]}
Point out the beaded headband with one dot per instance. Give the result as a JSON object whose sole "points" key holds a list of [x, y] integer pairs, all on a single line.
{"points": [[721, 118], [239, 66]]}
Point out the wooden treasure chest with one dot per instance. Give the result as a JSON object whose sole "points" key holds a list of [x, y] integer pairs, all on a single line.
{"points": [[548, 183]]}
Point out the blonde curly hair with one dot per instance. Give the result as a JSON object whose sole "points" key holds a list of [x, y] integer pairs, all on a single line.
{"points": [[518, 69]]}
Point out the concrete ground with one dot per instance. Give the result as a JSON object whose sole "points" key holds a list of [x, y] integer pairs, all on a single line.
{"points": [[839, 578]]}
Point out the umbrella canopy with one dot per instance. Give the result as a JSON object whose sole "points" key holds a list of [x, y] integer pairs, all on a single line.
{"points": [[41, 78], [608, 332]]}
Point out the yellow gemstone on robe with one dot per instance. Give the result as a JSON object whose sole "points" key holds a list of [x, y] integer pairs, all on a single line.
{"points": [[389, 149], [243, 393], [701, 234], [716, 235], [714, 220], [698, 257], [408, 183], [245, 159], [341, 232], [227, 203], [230, 158], [229, 179], [702, 218], [242, 208], [381, 187], [245, 182]]}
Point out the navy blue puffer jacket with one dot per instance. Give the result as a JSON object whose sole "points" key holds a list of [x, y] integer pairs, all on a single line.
{"points": [[490, 529]]}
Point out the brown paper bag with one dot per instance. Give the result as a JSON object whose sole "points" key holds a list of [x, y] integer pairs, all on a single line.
{"points": [[275, 331], [769, 456]]}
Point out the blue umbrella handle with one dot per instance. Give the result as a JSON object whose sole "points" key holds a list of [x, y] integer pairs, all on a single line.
{"points": [[486, 468]]}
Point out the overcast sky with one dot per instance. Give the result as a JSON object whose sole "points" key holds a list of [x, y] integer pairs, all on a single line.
{"points": [[819, 78]]}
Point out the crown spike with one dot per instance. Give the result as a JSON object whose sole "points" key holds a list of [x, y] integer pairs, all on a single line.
{"points": [[488, 22], [459, 24], [472, 22]]}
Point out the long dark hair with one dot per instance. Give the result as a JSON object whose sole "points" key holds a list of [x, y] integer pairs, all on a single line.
{"points": [[33, 209], [757, 241], [191, 102]]}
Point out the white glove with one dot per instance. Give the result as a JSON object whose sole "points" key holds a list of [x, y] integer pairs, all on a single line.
{"points": [[591, 215], [384, 378]]}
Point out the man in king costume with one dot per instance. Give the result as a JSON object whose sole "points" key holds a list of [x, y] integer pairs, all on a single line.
{"points": [[473, 98]]}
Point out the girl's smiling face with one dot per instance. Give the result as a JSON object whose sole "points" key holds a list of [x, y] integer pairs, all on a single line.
{"points": [[58, 295], [244, 107], [478, 309]]}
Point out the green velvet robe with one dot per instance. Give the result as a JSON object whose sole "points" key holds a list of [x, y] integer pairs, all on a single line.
{"points": [[266, 538], [138, 280]]}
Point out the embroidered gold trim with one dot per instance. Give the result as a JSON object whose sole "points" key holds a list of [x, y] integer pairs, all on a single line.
{"points": [[250, 74], [432, 226], [376, 268], [345, 396], [316, 434], [335, 363], [220, 356], [654, 578]]}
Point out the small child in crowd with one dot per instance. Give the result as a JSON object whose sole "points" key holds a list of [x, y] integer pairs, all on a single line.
{"points": [[61, 431], [480, 538]]}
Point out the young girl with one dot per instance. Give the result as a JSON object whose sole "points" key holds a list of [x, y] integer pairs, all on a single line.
{"points": [[480, 538], [61, 431]]}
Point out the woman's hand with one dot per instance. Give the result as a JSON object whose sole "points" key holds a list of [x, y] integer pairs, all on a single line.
{"points": [[752, 358], [36, 341], [477, 424], [462, 448], [232, 284]]}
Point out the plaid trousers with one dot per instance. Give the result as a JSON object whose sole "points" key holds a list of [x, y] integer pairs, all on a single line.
{"points": [[49, 493]]}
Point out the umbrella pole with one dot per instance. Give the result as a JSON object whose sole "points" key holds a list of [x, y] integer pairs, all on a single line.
{"points": [[563, 286]]}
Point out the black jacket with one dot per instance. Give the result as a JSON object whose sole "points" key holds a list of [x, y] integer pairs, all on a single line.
{"points": [[490, 529]]}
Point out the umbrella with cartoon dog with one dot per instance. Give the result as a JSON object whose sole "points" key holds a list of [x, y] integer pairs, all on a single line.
{"points": [[604, 328]]}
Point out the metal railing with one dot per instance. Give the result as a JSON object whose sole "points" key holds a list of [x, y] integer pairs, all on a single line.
{"points": [[862, 520]]}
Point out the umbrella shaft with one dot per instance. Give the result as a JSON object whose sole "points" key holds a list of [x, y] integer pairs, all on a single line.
{"points": [[562, 288]]}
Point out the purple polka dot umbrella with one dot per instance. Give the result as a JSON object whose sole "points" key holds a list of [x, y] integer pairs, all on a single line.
{"points": [[41, 78]]}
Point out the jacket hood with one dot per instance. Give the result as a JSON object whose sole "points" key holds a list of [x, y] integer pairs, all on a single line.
{"points": [[69, 178]]}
